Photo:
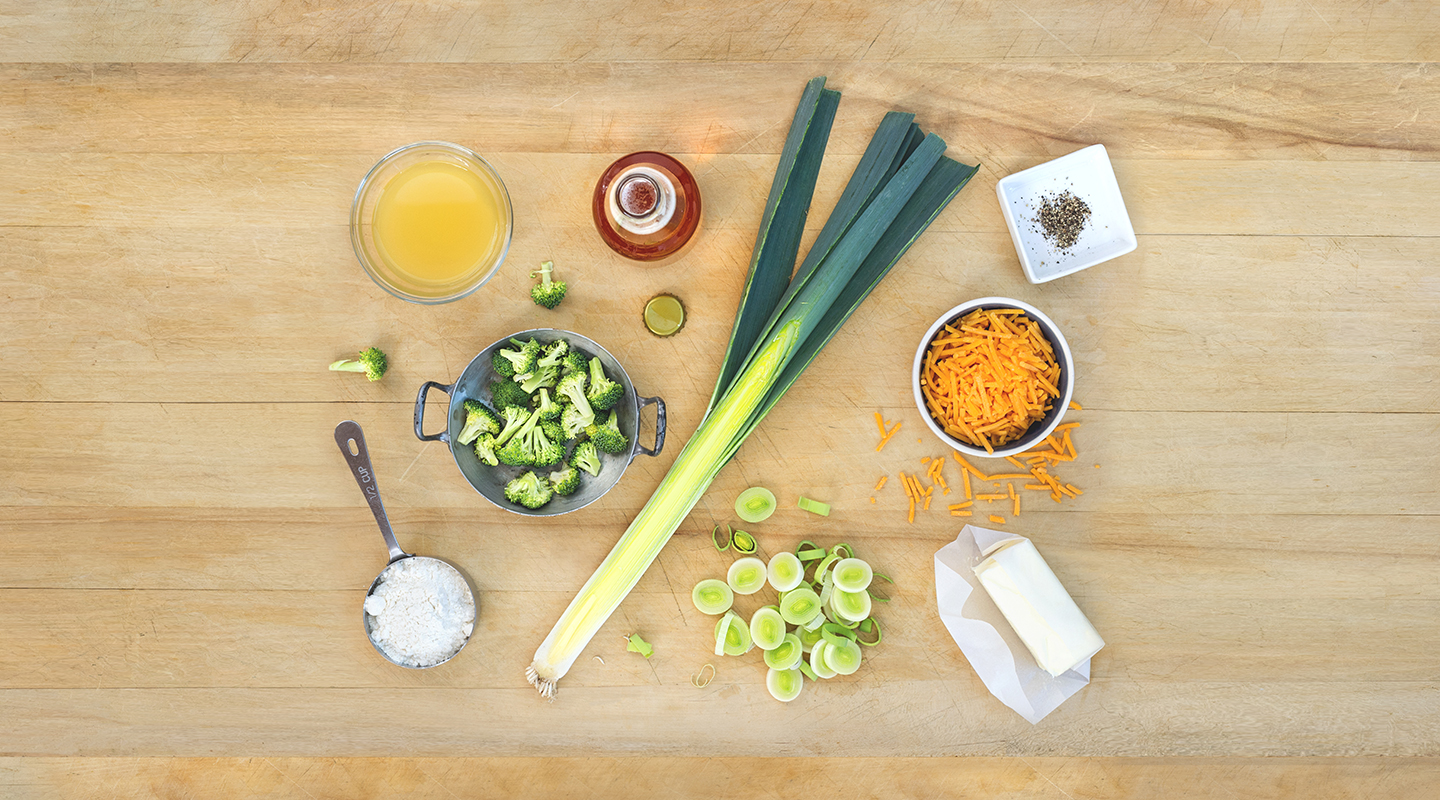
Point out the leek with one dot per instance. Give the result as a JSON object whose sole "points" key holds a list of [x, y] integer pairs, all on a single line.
{"points": [[901, 185], [747, 575]]}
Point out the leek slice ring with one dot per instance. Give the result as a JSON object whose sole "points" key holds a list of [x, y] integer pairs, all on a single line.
{"points": [[721, 543], [712, 596], [755, 504], [787, 654], [747, 575]]}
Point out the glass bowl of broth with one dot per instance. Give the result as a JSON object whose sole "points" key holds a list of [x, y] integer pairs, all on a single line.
{"points": [[431, 222]]}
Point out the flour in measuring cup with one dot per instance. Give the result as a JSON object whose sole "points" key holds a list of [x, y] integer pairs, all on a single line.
{"points": [[421, 612]]}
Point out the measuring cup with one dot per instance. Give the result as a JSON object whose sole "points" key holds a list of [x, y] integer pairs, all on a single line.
{"points": [[352, 445]]}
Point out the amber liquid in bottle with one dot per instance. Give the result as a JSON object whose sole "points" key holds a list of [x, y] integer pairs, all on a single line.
{"points": [[646, 206]]}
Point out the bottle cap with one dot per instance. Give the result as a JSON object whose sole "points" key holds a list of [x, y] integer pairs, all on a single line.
{"points": [[664, 315]]}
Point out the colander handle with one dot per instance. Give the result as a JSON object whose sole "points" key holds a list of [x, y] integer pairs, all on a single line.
{"points": [[659, 404], [442, 436]]}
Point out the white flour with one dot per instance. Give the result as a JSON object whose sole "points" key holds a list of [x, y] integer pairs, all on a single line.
{"points": [[421, 613]]}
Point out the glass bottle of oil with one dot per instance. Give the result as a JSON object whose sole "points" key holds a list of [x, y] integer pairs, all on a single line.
{"points": [[646, 206]]}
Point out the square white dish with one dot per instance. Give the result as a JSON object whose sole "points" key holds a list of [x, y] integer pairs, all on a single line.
{"points": [[1087, 174]]}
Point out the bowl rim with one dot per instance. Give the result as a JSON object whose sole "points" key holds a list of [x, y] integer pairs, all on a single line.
{"points": [[1052, 332], [356, 240]]}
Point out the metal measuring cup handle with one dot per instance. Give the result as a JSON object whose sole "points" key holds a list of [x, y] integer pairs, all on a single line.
{"points": [[352, 445]]}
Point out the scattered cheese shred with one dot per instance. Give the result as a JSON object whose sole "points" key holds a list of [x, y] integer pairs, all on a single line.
{"points": [[997, 520], [881, 484], [987, 378], [884, 435]]}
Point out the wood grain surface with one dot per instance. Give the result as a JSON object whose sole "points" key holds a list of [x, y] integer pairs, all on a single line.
{"points": [[183, 555]]}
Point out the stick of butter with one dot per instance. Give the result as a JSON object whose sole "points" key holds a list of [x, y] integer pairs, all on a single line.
{"points": [[1039, 609]]}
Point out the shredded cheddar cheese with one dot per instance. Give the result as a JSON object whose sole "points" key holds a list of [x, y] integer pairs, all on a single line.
{"points": [[987, 378]]}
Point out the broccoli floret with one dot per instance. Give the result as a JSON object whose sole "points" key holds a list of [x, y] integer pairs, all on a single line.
{"points": [[578, 414], [547, 293], [572, 422], [478, 420], [565, 480], [573, 362], [528, 490], [522, 359], [548, 410], [505, 394], [531, 446], [503, 366], [514, 419], [554, 353], [586, 457], [541, 377], [371, 361], [607, 436], [485, 449], [603, 392], [553, 431]]}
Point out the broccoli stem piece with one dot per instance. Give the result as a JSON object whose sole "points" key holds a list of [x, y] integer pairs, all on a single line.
{"points": [[371, 361]]}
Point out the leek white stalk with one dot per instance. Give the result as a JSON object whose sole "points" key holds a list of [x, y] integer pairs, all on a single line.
{"points": [[697, 465]]}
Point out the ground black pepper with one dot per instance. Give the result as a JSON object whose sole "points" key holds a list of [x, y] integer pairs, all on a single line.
{"points": [[1061, 218]]}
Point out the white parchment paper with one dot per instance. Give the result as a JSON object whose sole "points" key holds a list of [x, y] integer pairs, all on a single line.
{"points": [[999, 657]]}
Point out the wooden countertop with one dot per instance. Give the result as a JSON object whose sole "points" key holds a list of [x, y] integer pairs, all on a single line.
{"points": [[185, 554]]}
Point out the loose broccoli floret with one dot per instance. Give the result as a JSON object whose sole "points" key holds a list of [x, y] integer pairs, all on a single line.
{"points": [[528, 490], [531, 446], [371, 361], [541, 377], [522, 359], [553, 431], [548, 410], [578, 414], [503, 366], [607, 436], [573, 362], [603, 392], [554, 353], [478, 420], [565, 480], [485, 449], [547, 293], [586, 457], [514, 419], [505, 394]]}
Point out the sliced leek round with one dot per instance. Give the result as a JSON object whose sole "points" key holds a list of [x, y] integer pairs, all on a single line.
{"points": [[767, 628], [808, 638], [850, 606], [786, 655], [712, 596], [852, 575], [732, 636], [746, 576], [799, 606], [817, 661], [843, 657], [785, 571], [755, 504], [784, 684]]}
